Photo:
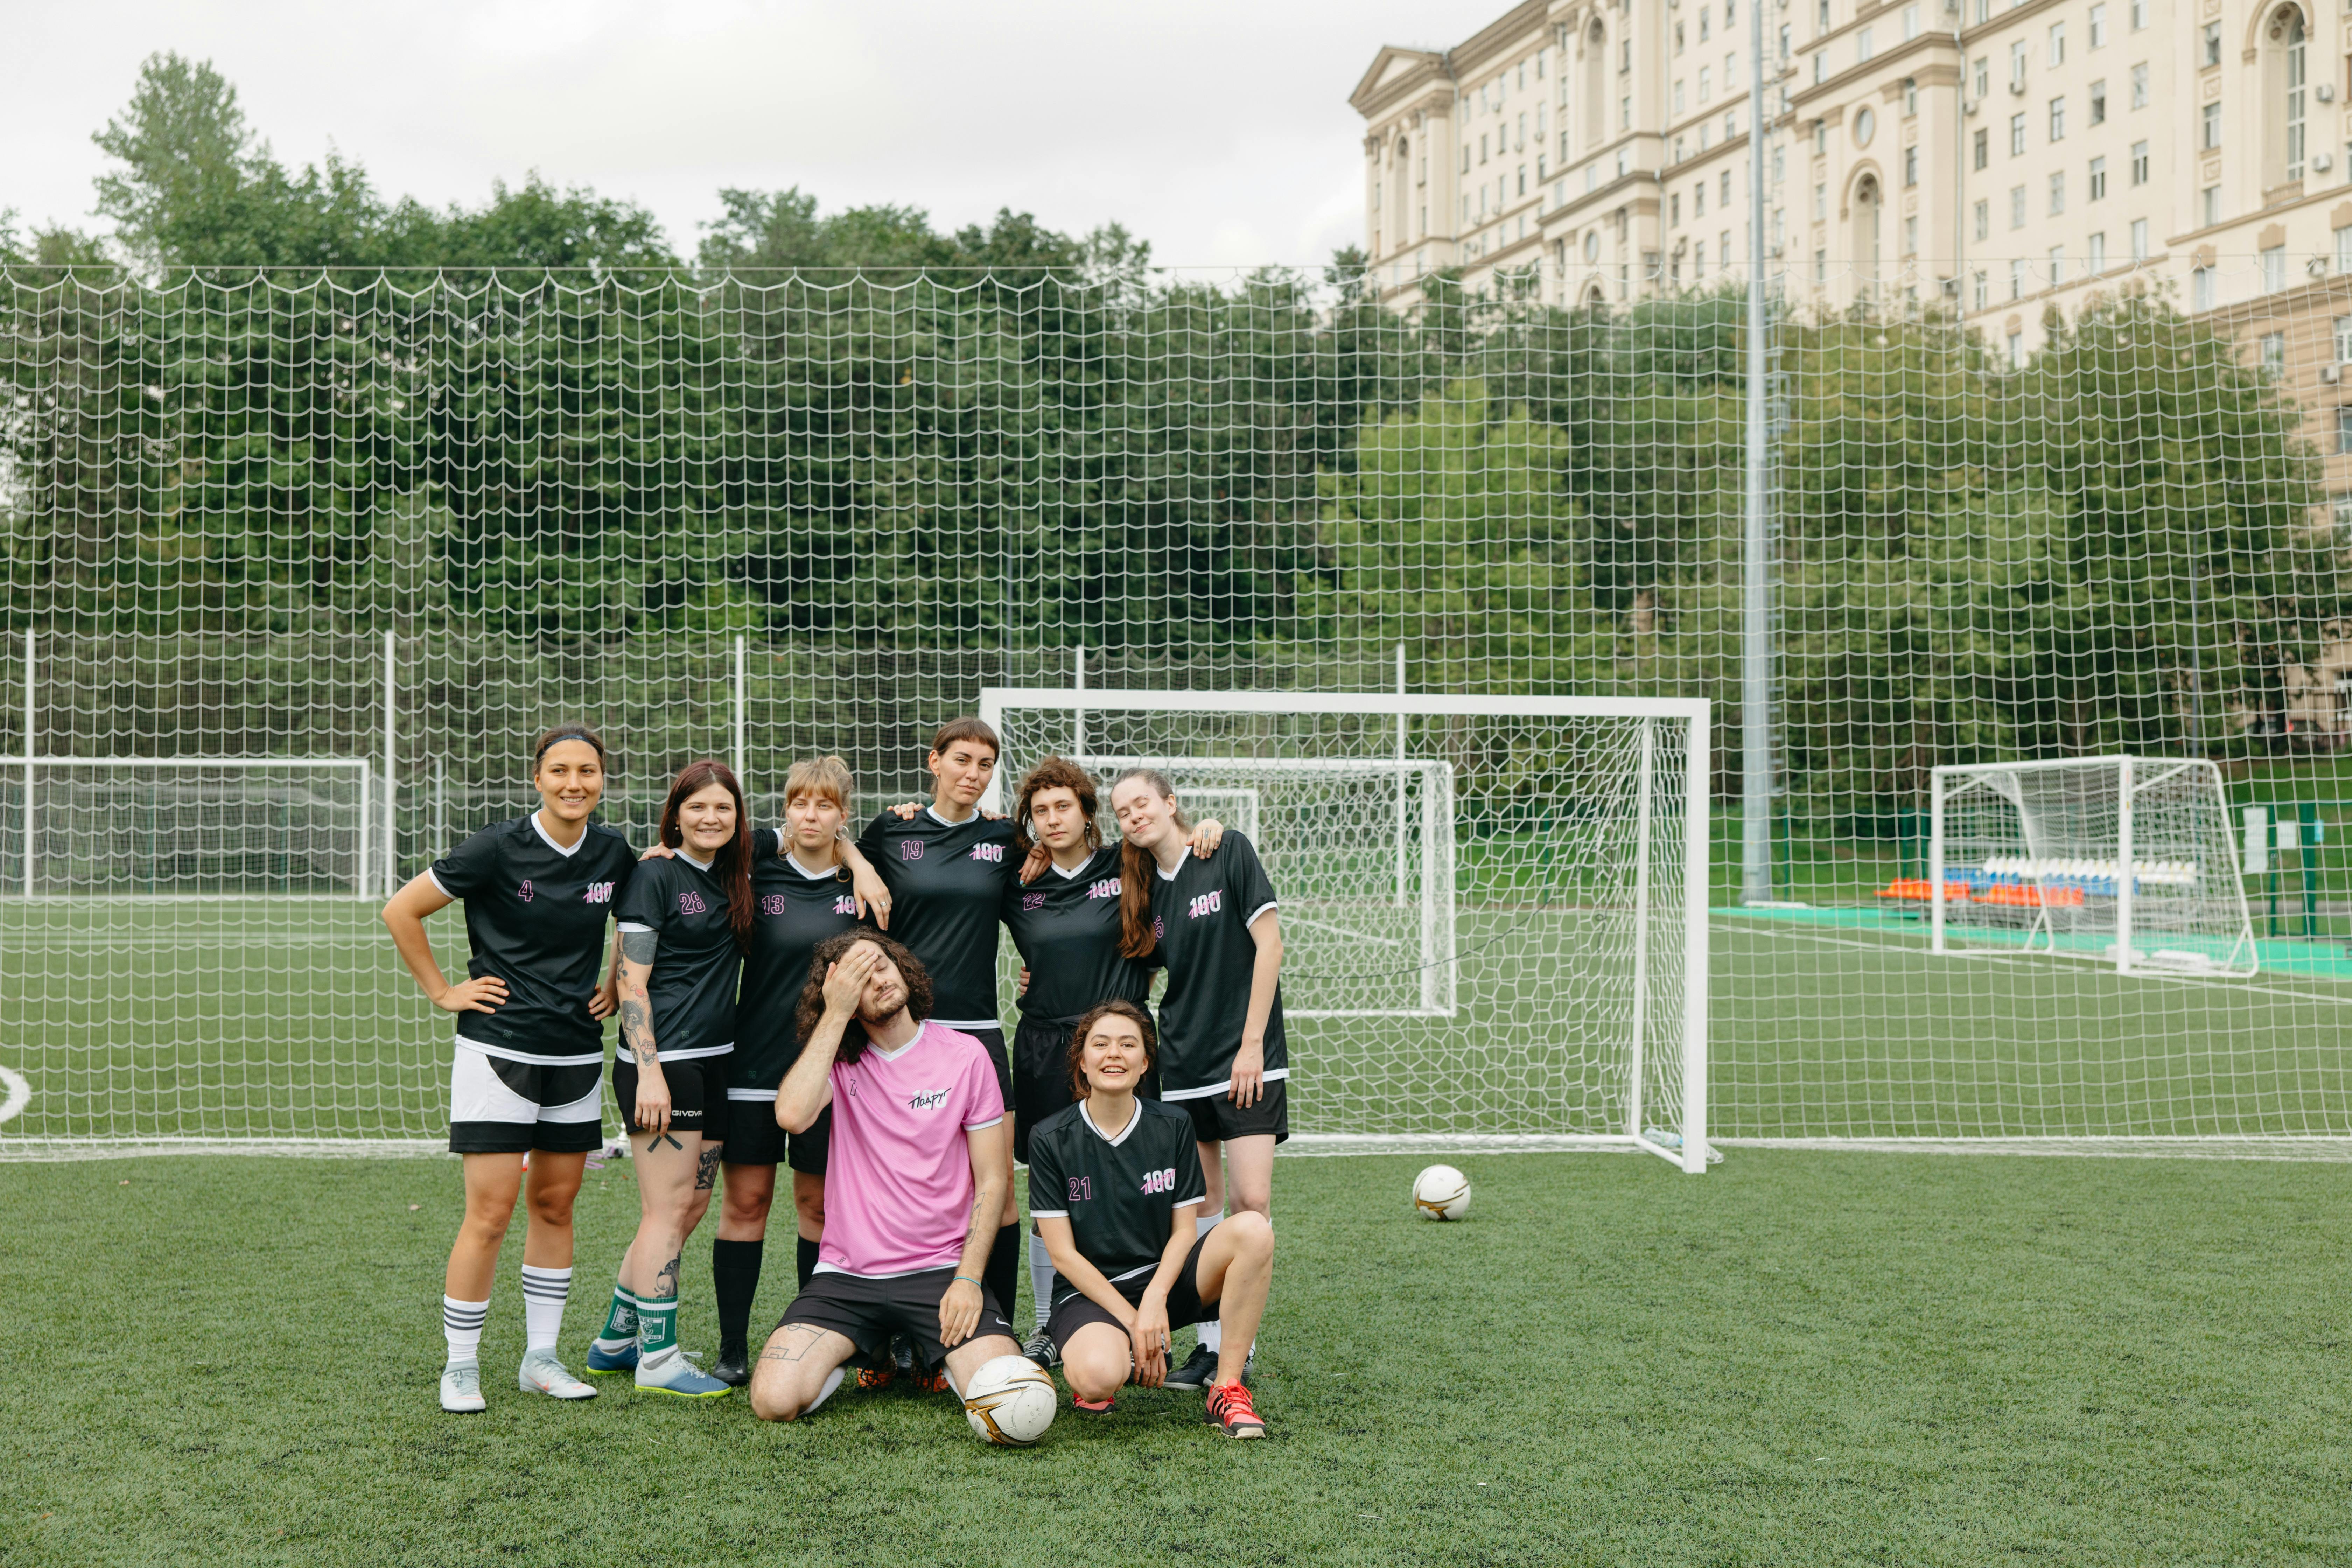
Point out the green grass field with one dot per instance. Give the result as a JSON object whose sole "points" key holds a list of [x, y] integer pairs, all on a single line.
{"points": [[1800, 1358]]}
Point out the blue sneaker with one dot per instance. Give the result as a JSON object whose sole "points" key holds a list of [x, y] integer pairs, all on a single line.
{"points": [[676, 1374], [602, 1360]]}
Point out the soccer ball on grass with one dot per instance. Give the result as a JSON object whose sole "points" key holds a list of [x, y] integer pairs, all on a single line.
{"points": [[1009, 1402], [1441, 1193]]}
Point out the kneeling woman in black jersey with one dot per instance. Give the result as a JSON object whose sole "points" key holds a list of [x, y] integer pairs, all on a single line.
{"points": [[684, 922], [1114, 1183]]}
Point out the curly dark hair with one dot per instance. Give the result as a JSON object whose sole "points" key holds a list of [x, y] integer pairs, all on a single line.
{"points": [[1118, 1007], [1057, 773], [810, 1010]]}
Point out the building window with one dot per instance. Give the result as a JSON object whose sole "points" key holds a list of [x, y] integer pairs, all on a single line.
{"points": [[2209, 205], [1983, 146], [2140, 163], [1821, 67], [2057, 192], [1821, 138], [2211, 135], [2200, 288], [2343, 512], [1910, 165], [2273, 353], [2099, 102], [1980, 79], [2292, 23], [2017, 350], [1984, 220], [2139, 87], [1864, 45], [2098, 179], [1910, 236], [2274, 269], [1979, 281], [1723, 190], [2344, 249], [2057, 119], [2057, 43], [2017, 63], [2057, 264], [1911, 21], [2017, 206], [2138, 15], [2139, 239], [2096, 256], [1678, 95], [2017, 279], [2343, 339], [2098, 27], [1910, 97], [2017, 135], [1706, 83], [1821, 203], [1820, 266], [2344, 429], [2210, 52]]}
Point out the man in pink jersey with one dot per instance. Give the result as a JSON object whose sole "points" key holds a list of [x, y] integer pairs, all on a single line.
{"points": [[915, 1181]]}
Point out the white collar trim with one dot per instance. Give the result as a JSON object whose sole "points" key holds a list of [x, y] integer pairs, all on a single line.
{"points": [[697, 865], [892, 1056], [933, 813], [1171, 876], [1074, 872], [1134, 1120], [794, 862], [548, 839]]}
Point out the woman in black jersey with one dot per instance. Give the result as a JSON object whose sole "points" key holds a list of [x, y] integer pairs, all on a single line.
{"points": [[684, 922], [1212, 924], [528, 1067], [801, 895], [1066, 923], [1114, 1183]]}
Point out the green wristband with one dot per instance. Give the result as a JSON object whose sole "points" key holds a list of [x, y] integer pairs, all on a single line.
{"points": [[969, 1280]]}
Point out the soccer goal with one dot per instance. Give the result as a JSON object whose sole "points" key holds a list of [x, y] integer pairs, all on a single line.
{"points": [[1493, 909], [2127, 861]]}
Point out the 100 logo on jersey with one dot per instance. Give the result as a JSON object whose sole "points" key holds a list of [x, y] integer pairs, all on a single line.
{"points": [[1205, 904]]}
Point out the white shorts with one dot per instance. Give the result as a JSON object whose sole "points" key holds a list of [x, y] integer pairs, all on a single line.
{"points": [[499, 1105]]}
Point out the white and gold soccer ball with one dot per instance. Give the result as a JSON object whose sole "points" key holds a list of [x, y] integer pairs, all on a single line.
{"points": [[1441, 1193], [1009, 1402]]}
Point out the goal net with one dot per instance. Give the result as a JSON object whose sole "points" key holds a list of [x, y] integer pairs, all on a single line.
{"points": [[1493, 910], [2125, 860]]}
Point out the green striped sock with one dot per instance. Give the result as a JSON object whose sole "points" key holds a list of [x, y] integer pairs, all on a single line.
{"points": [[620, 1319], [657, 1328]]}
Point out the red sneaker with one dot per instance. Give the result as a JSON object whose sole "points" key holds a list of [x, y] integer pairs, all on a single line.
{"points": [[1093, 1406], [931, 1381], [875, 1377], [1231, 1411]]}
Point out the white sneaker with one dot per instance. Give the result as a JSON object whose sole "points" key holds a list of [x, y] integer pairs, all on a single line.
{"points": [[543, 1374], [461, 1388]]}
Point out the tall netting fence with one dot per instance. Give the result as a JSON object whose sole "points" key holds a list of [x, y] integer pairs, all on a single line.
{"points": [[293, 566]]}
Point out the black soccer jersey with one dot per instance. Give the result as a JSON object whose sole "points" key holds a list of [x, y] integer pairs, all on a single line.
{"points": [[947, 883], [1066, 927], [1119, 1192], [1201, 917], [535, 918], [696, 963], [792, 914]]}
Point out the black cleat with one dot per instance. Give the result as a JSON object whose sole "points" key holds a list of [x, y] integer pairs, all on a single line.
{"points": [[1040, 1348], [733, 1366], [1199, 1371], [902, 1355]]}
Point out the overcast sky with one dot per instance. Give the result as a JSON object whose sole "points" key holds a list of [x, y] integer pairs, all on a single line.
{"points": [[1218, 130]]}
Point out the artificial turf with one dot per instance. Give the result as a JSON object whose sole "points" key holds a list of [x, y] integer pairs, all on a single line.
{"points": [[1798, 1358]]}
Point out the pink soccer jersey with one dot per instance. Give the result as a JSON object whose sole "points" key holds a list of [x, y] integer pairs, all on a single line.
{"points": [[897, 1186]]}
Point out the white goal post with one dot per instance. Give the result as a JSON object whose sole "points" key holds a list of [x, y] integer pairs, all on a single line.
{"points": [[2120, 859], [1494, 909]]}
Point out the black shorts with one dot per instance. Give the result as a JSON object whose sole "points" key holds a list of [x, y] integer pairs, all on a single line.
{"points": [[866, 1311], [1184, 1304], [502, 1105], [753, 1137], [1216, 1118], [698, 1095], [1040, 1076], [992, 1042]]}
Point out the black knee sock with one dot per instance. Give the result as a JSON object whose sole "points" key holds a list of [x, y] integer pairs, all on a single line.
{"points": [[1002, 1274], [807, 1261], [735, 1279]]}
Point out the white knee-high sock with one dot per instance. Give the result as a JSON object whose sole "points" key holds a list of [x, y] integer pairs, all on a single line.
{"points": [[544, 1293], [461, 1324], [1041, 1278], [1211, 1334]]}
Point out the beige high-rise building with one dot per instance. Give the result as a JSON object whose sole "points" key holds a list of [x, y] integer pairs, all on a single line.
{"points": [[1988, 156]]}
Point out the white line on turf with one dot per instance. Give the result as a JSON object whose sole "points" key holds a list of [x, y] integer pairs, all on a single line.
{"points": [[2086, 960], [20, 1094]]}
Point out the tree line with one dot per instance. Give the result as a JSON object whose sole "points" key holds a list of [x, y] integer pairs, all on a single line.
{"points": [[276, 401]]}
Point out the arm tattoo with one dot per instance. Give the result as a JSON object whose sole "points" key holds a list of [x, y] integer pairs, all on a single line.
{"points": [[706, 1171], [637, 1029], [639, 946]]}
